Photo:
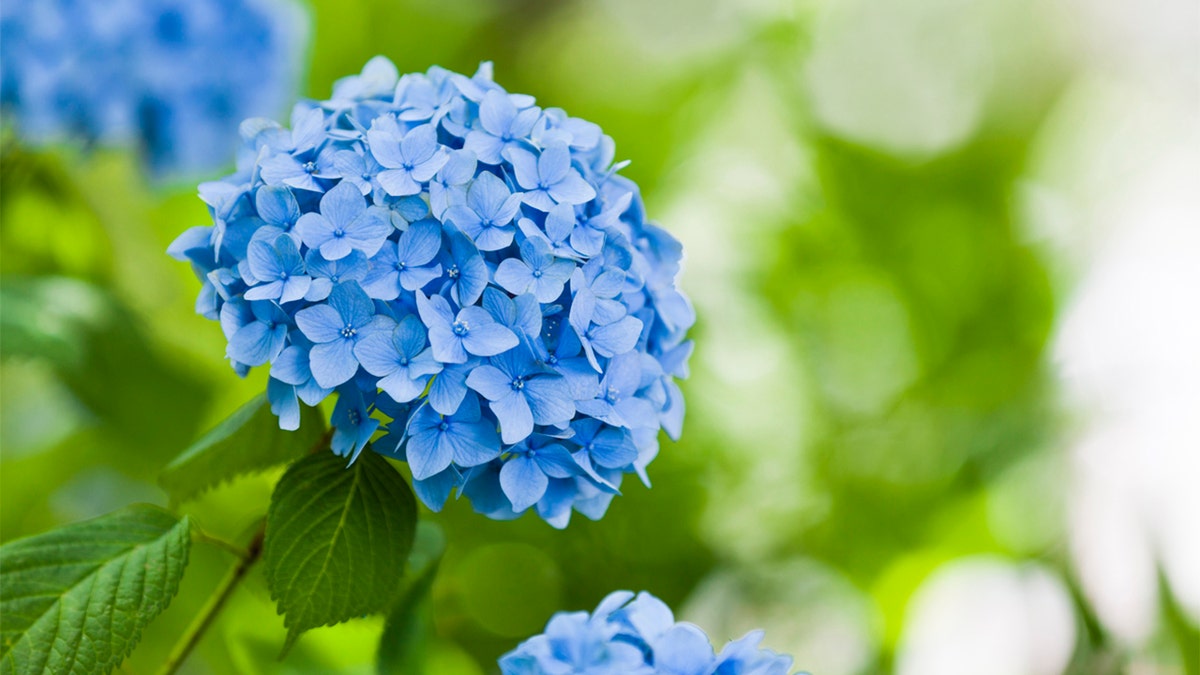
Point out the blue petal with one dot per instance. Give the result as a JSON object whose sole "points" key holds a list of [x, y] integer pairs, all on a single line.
{"points": [[333, 363], [523, 482]]}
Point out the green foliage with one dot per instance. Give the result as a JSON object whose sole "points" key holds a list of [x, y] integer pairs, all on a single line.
{"points": [[337, 539], [248, 440], [75, 600], [404, 644]]}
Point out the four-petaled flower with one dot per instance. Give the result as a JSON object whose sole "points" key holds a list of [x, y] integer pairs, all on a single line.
{"points": [[487, 215], [410, 161], [470, 332], [279, 270], [335, 329], [502, 126], [537, 271], [399, 359], [549, 177], [408, 265], [344, 224], [465, 438], [522, 392]]}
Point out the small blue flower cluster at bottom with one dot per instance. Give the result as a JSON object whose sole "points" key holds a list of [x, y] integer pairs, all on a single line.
{"points": [[629, 635]]}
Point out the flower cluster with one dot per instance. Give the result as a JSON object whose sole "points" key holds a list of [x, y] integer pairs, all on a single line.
{"points": [[465, 263], [636, 636], [176, 76]]}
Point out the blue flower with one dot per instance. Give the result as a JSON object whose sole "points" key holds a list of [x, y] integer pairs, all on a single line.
{"points": [[501, 126], [629, 635], [262, 337], [482, 286], [465, 438], [171, 78], [401, 360], [470, 332], [407, 266], [329, 273], [537, 271], [344, 224], [521, 393], [527, 474], [352, 424], [335, 329], [278, 269], [487, 215], [549, 177], [449, 185], [410, 161]]}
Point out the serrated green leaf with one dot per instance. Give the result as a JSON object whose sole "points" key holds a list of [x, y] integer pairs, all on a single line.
{"points": [[402, 647], [337, 540], [75, 600], [248, 440]]}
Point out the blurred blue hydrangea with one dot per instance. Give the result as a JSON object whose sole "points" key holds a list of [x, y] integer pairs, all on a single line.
{"points": [[636, 636], [465, 263], [174, 76]]}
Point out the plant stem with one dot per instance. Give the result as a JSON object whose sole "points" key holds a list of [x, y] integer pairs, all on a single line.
{"points": [[234, 549], [191, 637]]}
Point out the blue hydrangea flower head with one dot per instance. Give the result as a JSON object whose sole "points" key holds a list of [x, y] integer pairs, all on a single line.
{"points": [[629, 635], [175, 77], [468, 273]]}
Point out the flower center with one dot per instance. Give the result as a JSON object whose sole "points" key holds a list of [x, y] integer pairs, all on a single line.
{"points": [[444, 425], [453, 272], [310, 167], [612, 394], [339, 233], [518, 383], [461, 328], [349, 331], [537, 274]]}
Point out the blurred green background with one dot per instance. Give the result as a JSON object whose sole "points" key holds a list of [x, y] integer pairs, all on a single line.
{"points": [[911, 445]]}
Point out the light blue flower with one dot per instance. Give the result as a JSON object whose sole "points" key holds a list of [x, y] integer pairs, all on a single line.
{"points": [[400, 360], [521, 392], [260, 339], [470, 332], [278, 269], [352, 424], [410, 161], [487, 215], [408, 265], [465, 438], [449, 184], [335, 328], [329, 273], [166, 77], [629, 635], [527, 473], [501, 127], [344, 224], [472, 258], [549, 177], [537, 271]]}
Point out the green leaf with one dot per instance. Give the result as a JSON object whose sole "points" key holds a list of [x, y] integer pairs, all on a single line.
{"points": [[337, 539], [75, 599], [402, 647], [248, 440]]}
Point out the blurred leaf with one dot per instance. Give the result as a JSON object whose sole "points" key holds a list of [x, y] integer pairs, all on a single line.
{"points": [[75, 600], [403, 647], [337, 540], [101, 352], [249, 440]]}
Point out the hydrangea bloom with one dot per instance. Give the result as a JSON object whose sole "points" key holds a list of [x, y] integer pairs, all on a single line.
{"points": [[176, 76], [636, 636], [462, 266]]}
